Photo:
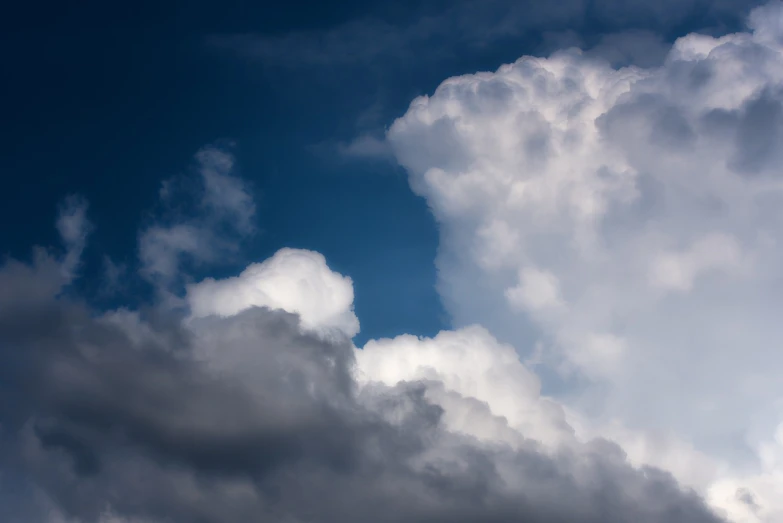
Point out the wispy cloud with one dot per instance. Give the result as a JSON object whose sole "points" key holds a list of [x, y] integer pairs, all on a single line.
{"points": [[74, 227], [463, 25], [225, 214]]}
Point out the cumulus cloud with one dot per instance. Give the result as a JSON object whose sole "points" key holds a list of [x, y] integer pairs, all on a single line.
{"points": [[225, 214], [617, 226], [241, 413], [471, 363], [626, 220], [295, 280]]}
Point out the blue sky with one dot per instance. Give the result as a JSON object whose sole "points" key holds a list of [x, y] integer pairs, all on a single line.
{"points": [[107, 102]]}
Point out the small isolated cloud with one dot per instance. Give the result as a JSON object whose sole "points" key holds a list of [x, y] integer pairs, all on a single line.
{"points": [[225, 214]]}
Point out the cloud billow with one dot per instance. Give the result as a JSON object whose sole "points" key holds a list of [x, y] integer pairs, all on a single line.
{"points": [[621, 227], [119, 416]]}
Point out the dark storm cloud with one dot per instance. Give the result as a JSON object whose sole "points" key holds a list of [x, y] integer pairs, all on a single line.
{"points": [[242, 419]]}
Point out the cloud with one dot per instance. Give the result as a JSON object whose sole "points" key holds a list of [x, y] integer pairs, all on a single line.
{"points": [[74, 227], [113, 275], [128, 417], [224, 193], [472, 364], [640, 47], [435, 32], [224, 215], [295, 280], [626, 220], [365, 146]]}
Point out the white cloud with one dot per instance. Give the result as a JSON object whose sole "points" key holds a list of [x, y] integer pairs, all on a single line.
{"points": [[630, 220], [474, 365], [297, 281], [677, 271], [537, 290]]}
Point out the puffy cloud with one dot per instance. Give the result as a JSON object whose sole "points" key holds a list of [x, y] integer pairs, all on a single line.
{"points": [[294, 280], [472, 364], [628, 222]]}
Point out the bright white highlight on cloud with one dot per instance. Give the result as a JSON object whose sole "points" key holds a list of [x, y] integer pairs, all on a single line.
{"points": [[472, 364], [628, 222], [294, 280]]}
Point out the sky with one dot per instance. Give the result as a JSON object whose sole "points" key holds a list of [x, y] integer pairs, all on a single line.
{"points": [[394, 261]]}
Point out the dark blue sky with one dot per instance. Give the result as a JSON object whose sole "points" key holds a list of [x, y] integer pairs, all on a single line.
{"points": [[107, 101]]}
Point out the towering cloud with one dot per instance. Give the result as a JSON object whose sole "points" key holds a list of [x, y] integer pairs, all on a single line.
{"points": [[627, 223]]}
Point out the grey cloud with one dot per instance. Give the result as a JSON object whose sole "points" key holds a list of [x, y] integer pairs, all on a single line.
{"points": [[638, 47], [758, 134], [247, 418], [661, 121], [753, 132]]}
